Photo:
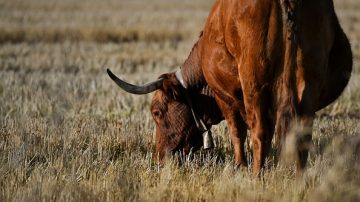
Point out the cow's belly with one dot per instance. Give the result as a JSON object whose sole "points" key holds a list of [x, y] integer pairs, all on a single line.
{"points": [[316, 38]]}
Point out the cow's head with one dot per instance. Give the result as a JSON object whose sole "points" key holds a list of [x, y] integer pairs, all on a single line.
{"points": [[176, 129]]}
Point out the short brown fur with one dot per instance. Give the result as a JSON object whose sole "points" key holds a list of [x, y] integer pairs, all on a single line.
{"points": [[257, 64]]}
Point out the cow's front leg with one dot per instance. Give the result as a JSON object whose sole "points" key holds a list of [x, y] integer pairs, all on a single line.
{"points": [[261, 126], [238, 136], [238, 132], [257, 95]]}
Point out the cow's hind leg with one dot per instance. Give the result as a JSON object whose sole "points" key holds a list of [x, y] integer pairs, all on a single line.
{"points": [[303, 129], [303, 141], [338, 72], [294, 134]]}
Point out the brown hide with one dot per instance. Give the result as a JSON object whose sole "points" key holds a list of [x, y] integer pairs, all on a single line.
{"points": [[257, 64], [175, 126], [272, 62]]}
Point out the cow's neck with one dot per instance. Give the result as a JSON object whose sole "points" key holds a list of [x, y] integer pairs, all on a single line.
{"points": [[191, 70], [200, 93]]}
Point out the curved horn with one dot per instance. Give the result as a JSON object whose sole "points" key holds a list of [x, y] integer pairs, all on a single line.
{"points": [[139, 90]]}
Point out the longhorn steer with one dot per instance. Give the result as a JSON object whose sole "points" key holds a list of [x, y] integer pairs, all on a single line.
{"points": [[257, 64]]}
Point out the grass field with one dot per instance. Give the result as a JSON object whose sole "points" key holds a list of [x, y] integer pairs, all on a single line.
{"points": [[68, 133]]}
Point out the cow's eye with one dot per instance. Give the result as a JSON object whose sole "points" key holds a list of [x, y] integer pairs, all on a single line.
{"points": [[157, 113]]}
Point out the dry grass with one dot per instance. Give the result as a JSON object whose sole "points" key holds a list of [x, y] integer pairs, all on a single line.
{"points": [[110, 21], [67, 133]]}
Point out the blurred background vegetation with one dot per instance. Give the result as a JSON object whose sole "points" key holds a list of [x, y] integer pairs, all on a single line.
{"points": [[68, 133]]}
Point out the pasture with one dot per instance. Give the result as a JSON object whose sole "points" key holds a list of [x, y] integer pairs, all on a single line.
{"points": [[68, 133]]}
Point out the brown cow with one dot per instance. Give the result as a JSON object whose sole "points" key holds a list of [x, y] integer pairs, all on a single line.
{"points": [[257, 64]]}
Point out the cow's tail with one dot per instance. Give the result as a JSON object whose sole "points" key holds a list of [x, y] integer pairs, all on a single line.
{"points": [[286, 92]]}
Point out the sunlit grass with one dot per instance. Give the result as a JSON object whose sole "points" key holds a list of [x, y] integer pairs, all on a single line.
{"points": [[68, 133]]}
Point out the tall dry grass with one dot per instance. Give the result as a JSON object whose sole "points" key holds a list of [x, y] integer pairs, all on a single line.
{"points": [[68, 134]]}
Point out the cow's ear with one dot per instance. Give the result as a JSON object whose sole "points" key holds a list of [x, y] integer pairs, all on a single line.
{"points": [[171, 86]]}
